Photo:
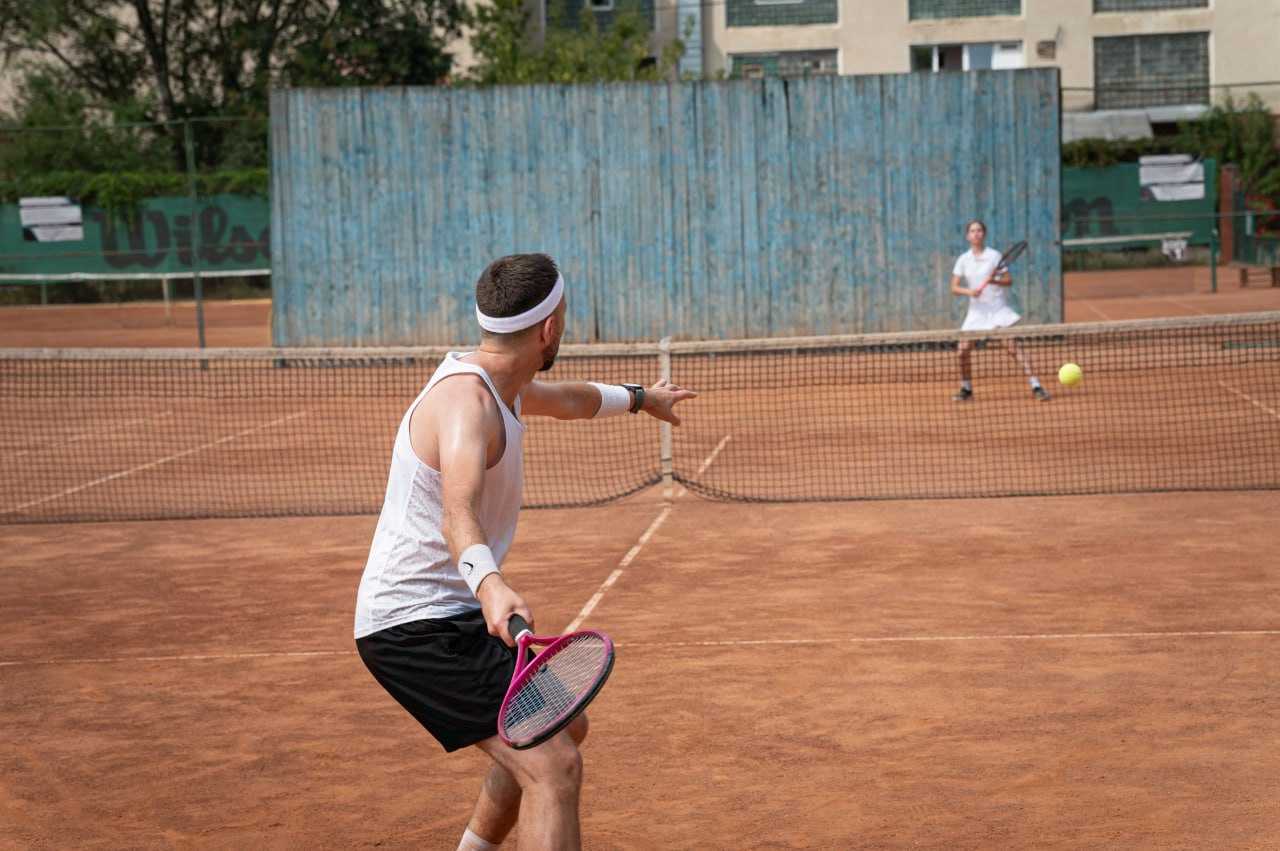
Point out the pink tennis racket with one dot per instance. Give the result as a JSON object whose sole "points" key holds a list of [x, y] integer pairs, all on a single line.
{"points": [[549, 691]]}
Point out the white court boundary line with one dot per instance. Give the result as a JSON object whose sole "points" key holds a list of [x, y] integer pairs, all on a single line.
{"points": [[85, 435], [184, 657], [1100, 314], [150, 464], [728, 643], [639, 544], [1249, 399], [1195, 311], [925, 639]]}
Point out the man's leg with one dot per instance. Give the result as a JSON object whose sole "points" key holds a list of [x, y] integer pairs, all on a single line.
{"points": [[498, 807], [496, 811]]}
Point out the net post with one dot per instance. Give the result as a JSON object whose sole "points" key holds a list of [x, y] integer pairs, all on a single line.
{"points": [[166, 290], [664, 428], [44, 292]]}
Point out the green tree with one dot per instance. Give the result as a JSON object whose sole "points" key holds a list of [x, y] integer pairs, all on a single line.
{"points": [[169, 60], [1243, 134], [57, 129], [507, 51]]}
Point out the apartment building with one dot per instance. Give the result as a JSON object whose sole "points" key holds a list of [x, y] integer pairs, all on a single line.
{"points": [[1164, 59]]}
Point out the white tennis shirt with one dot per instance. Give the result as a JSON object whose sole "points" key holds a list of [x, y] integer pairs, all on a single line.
{"points": [[991, 307], [410, 575]]}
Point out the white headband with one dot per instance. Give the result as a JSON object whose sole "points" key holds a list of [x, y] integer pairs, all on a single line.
{"points": [[531, 317]]}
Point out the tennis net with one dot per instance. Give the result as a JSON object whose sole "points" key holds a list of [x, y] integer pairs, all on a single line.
{"points": [[1164, 405]]}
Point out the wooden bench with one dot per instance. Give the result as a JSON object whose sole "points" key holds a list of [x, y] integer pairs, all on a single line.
{"points": [[1267, 273]]}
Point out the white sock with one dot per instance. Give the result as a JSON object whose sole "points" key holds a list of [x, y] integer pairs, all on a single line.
{"points": [[1035, 382], [472, 842], [967, 385]]}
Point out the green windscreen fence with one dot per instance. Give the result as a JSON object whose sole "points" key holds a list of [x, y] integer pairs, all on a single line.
{"points": [[1162, 195]]}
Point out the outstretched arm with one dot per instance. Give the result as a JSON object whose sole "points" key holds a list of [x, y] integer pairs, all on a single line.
{"points": [[580, 400]]}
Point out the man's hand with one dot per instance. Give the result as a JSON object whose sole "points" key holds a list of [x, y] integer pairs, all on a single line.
{"points": [[498, 602], [661, 399]]}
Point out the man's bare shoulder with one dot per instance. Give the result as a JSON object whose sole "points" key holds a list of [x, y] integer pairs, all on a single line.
{"points": [[464, 395]]}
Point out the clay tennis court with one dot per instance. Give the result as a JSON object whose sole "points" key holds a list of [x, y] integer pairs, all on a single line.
{"points": [[1070, 671], [1059, 672], [1174, 405], [1088, 297]]}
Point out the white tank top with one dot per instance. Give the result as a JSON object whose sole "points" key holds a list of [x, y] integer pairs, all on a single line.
{"points": [[410, 574]]}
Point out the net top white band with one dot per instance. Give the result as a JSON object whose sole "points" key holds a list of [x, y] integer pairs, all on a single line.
{"points": [[521, 321]]}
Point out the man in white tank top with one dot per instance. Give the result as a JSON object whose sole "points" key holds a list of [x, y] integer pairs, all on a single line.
{"points": [[432, 608]]}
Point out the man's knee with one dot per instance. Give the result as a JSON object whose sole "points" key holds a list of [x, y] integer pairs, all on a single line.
{"points": [[559, 765], [964, 347], [564, 772]]}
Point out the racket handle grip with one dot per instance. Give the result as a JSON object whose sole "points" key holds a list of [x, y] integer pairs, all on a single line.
{"points": [[516, 625]]}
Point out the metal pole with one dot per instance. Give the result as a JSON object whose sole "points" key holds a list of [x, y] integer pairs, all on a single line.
{"points": [[1213, 260], [664, 429], [189, 140]]}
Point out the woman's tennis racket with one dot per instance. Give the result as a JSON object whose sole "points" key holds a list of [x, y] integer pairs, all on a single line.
{"points": [[1012, 253], [549, 691]]}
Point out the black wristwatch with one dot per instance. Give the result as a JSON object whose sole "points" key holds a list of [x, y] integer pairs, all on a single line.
{"points": [[637, 397]]}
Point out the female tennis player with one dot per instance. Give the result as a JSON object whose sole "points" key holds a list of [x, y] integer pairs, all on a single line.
{"points": [[976, 275], [432, 608]]}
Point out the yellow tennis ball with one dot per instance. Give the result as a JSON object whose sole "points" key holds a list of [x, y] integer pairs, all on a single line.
{"points": [[1070, 374]]}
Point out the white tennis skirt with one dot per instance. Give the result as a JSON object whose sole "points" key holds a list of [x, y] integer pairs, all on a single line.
{"points": [[986, 318]]}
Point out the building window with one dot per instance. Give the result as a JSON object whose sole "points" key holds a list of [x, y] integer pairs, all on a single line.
{"points": [[1135, 71], [795, 63], [568, 15], [923, 10], [1146, 5], [967, 57], [780, 13]]}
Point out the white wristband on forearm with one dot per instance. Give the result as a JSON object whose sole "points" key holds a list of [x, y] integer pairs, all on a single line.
{"points": [[475, 563], [614, 400]]}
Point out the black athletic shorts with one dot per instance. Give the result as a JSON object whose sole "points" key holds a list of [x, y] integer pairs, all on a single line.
{"points": [[449, 673]]}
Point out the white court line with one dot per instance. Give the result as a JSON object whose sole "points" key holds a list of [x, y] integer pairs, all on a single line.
{"points": [[1185, 306], [188, 657], [907, 639], [885, 639], [639, 544], [85, 435], [150, 464], [1104, 317], [1249, 399]]}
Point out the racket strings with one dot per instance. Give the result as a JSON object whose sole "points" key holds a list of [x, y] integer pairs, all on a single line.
{"points": [[1013, 254], [557, 686]]}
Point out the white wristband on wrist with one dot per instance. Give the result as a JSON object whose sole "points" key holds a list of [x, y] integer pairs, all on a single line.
{"points": [[614, 400], [475, 563]]}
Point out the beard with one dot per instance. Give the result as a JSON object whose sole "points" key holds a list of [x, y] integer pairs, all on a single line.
{"points": [[549, 356]]}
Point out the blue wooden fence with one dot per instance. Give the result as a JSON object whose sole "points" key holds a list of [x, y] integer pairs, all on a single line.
{"points": [[699, 210]]}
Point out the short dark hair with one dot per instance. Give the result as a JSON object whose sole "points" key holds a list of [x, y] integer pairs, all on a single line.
{"points": [[973, 222], [513, 284]]}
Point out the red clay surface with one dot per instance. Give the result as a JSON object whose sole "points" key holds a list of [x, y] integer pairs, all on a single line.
{"points": [[1155, 293], [1073, 672], [145, 325], [1090, 297], [1070, 672]]}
